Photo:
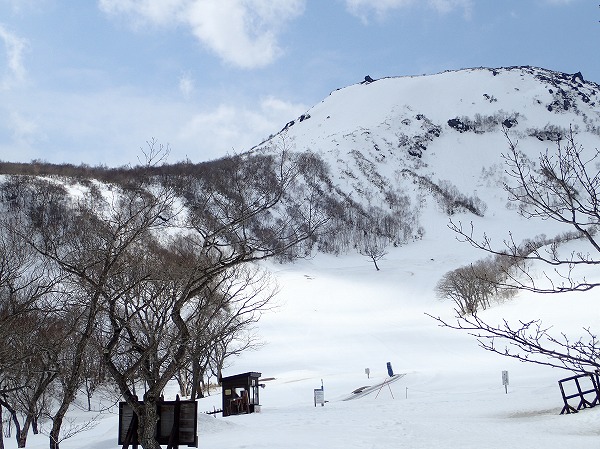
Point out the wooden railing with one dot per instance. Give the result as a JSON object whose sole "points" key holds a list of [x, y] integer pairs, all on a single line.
{"points": [[586, 396]]}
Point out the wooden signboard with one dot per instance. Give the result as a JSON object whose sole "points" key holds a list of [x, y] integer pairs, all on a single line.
{"points": [[127, 425], [187, 420], [177, 424]]}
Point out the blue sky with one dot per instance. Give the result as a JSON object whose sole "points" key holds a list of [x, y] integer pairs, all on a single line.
{"points": [[91, 81]]}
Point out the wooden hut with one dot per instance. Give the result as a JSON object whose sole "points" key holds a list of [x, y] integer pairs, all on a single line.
{"points": [[240, 393]]}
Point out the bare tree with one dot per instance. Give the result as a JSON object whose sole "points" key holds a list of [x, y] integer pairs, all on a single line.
{"points": [[225, 331], [29, 329], [373, 233], [136, 274], [475, 286], [86, 240], [565, 188], [468, 291], [236, 217], [37, 340], [93, 374], [374, 248], [155, 153]]}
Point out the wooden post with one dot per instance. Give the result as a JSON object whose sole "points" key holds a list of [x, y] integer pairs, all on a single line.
{"points": [[174, 437], [133, 428]]}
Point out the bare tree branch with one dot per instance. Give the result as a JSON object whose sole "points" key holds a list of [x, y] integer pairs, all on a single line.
{"points": [[564, 187]]}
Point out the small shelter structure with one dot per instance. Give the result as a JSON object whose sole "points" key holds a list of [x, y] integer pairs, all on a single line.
{"points": [[240, 393]]}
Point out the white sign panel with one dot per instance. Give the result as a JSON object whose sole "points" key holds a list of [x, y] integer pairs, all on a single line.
{"points": [[505, 381], [319, 396]]}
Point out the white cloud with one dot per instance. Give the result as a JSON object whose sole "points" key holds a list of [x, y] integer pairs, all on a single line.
{"points": [[14, 49], [18, 6], [445, 6], [159, 12], [186, 85], [237, 128], [241, 32], [356, 6], [23, 129], [365, 8], [109, 126]]}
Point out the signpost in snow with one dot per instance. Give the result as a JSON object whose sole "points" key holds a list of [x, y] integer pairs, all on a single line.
{"points": [[505, 381], [320, 395]]}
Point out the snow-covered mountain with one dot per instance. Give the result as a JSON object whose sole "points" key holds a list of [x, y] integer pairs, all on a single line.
{"points": [[403, 155], [338, 316], [395, 143]]}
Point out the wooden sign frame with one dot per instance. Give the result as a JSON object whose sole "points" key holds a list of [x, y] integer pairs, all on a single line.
{"points": [[177, 424]]}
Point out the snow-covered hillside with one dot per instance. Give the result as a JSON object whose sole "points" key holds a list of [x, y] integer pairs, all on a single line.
{"points": [[335, 316], [338, 316], [395, 136]]}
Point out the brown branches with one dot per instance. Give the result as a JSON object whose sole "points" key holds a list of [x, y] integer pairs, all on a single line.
{"points": [[530, 341], [564, 187]]}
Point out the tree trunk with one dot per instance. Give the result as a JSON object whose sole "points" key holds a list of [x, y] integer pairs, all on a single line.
{"points": [[183, 379], [375, 263], [22, 435], [1, 430], [201, 388], [72, 381], [196, 392], [147, 425], [88, 393], [14, 418], [68, 398], [55, 432]]}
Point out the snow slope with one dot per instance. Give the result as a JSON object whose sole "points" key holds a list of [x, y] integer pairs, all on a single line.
{"points": [[336, 316], [379, 137], [339, 316]]}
